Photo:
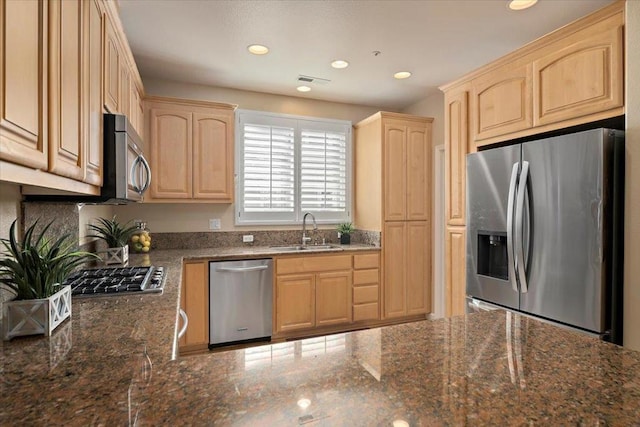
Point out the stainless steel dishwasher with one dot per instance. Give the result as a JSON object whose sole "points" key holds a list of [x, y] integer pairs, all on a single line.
{"points": [[240, 301]]}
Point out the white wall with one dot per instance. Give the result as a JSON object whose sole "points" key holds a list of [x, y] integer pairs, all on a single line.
{"points": [[260, 101], [432, 106], [195, 217], [632, 179]]}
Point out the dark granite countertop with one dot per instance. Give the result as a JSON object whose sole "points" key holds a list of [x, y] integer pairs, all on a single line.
{"points": [[112, 365]]}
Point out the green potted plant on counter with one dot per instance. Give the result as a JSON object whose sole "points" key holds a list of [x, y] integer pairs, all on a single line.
{"points": [[116, 236], [344, 233], [34, 269]]}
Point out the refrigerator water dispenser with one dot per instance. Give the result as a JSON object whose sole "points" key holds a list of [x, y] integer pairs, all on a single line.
{"points": [[492, 255]]}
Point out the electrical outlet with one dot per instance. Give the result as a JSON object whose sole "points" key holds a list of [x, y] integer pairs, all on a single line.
{"points": [[247, 238], [214, 224]]}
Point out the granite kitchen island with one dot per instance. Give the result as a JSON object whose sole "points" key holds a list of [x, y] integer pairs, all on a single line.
{"points": [[113, 364]]}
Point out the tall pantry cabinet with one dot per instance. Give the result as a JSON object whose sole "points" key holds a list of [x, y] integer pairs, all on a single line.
{"points": [[393, 191]]}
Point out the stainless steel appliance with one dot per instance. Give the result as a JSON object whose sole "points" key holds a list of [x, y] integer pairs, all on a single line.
{"points": [[126, 172], [545, 232], [240, 301], [109, 281]]}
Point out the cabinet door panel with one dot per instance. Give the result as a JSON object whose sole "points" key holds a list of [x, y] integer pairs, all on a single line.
{"points": [[93, 91], [418, 267], [395, 185], [367, 311], [361, 261], [295, 302], [111, 90], [455, 270], [333, 298], [124, 100], [171, 154], [502, 101], [23, 99], [194, 301], [66, 145], [418, 178], [456, 149], [365, 294], [581, 79], [213, 157], [394, 285]]}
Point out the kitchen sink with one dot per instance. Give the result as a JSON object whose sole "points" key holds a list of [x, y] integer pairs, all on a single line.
{"points": [[294, 248]]}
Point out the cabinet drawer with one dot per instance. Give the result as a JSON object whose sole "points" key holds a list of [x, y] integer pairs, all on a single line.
{"points": [[366, 261], [365, 312], [313, 264], [365, 277], [365, 294]]}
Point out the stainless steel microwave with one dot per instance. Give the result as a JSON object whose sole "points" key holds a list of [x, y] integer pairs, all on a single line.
{"points": [[126, 172]]}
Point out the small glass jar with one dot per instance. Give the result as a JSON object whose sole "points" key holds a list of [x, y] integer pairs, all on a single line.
{"points": [[141, 239]]}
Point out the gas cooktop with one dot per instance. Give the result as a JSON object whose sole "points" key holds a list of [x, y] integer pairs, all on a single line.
{"points": [[116, 281]]}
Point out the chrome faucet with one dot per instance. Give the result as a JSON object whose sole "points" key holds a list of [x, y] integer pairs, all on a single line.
{"points": [[306, 239]]}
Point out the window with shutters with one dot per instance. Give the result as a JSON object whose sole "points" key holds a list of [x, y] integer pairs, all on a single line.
{"points": [[289, 165]]}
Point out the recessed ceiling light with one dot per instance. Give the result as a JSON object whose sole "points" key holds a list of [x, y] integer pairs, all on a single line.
{"points": [[339, 63], [303, 88], [402, 75], [304, 403], [521, 4], [258, 49]]}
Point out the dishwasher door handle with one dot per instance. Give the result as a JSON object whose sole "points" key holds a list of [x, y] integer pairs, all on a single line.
{"points": [[241, 269], [185, 319]]}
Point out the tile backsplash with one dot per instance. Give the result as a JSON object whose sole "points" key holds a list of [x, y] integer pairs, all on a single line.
{"points": [[197, 240]]}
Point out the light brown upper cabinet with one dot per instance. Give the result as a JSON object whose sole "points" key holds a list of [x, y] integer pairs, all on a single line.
{"points": [[191, 145], [124, 93], [583, 78], [92, 88], [393, 169], [112, 73], [23, 83], [456, 117], [66, 119], [406, 162], [501, 101]]}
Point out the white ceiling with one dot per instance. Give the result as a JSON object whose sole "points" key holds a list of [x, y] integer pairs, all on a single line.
{"points": [[205, 41]]}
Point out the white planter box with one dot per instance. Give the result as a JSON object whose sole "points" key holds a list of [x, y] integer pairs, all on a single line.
{"points": [[36, 316], [115, 255]]}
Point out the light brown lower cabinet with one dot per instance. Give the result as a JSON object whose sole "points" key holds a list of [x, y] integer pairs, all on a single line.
{"points": [[295, 302], [305, 301], [333, 298], [366, 287], [407, 268], [455, 270], [194, 300]]}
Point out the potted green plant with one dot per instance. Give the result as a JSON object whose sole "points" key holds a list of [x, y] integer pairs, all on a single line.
{"points": [[344, 233], [116, 236], [34, 270]]}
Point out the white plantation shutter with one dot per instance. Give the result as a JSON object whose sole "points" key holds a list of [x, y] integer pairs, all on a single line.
{"points": [[269, 169], [288, 165], [323, 171]]}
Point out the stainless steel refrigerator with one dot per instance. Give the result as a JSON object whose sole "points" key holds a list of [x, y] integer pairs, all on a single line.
{"points": [[545, 229]]}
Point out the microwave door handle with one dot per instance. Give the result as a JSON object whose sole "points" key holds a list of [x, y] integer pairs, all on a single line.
{"points": [[147, 171], [522, 189], [133, 175], [510, 203]]}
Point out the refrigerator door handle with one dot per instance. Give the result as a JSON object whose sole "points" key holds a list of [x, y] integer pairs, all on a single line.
{"points": [[519, 240], [510, 202]]}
